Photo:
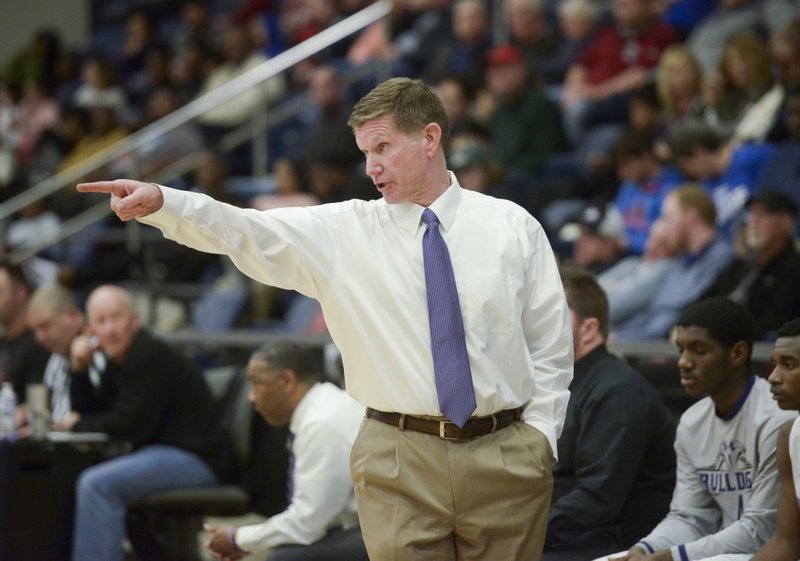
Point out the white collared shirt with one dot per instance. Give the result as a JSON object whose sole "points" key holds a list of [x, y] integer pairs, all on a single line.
{"points": [[363, 261], [324, 425]]}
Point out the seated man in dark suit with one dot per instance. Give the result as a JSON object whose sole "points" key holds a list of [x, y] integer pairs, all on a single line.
{"points": [[616, 463], [151, 396]]}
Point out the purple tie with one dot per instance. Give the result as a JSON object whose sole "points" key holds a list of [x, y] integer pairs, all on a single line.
{"points": [[448, 345], [290, 468]]}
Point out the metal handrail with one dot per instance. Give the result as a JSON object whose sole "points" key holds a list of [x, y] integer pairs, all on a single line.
{"points": [[200, 105]]}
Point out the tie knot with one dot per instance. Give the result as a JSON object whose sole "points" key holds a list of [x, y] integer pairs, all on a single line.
{"points": [[428, 216]]}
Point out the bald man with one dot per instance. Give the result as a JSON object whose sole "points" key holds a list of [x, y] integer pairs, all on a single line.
{"points": [[149, 395]]}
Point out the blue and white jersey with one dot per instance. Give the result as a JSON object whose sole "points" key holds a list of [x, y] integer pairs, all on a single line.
{"points": [[727, 486]]}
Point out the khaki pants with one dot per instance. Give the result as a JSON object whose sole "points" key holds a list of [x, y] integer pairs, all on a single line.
{"points": [[423, 498]]}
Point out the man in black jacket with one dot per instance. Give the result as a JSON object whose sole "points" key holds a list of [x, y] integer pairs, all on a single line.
{"points": [[151, 396], [765, 279], [616, 464]]}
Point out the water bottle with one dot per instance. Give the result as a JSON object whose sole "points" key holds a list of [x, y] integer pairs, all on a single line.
{"points": [[8, 409]]}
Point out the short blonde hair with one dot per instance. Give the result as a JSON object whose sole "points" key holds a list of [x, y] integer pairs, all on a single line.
{"points": [[411, 103]]}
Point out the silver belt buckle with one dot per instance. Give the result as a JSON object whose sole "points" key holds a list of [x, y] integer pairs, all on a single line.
{"points": [[442, 431]]}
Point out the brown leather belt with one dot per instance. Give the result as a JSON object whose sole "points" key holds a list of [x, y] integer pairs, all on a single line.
{"points": [[474, 428]]}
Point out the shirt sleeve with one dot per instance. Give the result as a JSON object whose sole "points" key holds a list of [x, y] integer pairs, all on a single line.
{"points": [[322, 490], [548, 333], [286, 247]]}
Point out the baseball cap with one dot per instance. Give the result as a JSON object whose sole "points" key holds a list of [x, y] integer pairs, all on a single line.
{"points": [[774, 202], [596, 220], [503, 54]]}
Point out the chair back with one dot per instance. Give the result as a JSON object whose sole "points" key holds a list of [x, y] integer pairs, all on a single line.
{"points": [[230, 387]]}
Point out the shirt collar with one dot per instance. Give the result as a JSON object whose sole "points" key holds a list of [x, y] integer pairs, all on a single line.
{"points": [[409, 215], [299, 411]]}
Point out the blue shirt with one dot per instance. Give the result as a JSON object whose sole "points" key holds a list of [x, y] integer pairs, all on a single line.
{"points": [[640, 205], [732, 189]]}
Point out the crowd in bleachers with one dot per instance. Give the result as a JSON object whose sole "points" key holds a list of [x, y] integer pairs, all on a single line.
{"points": [[589, 113]]}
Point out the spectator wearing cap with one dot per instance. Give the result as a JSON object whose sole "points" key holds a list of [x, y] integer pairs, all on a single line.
{"points": [[525, 128], [766, 277], [600, 241], [470, 161]]}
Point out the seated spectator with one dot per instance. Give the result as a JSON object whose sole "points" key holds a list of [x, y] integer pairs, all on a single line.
{"points": [[240, 57], [577, 24], [645, 183], [331, 179], [679, 81], [616, 465], [784, 545], [618, 60], [99, 88], [291, 187], [634, 281], [781, 172], [726, 493], [37, 112], [328, 135], [728, 172], [747, 107], [34, 224], [56, 320], [321, 521], [51, 148], [105, 130], [149, 395], [469, 159], [463, 56], [766, 277], [170, 146], [689, 216], [600, 241], [531, 31], [457, 99], [520, 109], [416, 30], [22, 359], [138, 42], [708, 38], [784, 48], [37, 61]]}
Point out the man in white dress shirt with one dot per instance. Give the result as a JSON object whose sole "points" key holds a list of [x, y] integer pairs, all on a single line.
{"points": [[474, 485], [321, 521]]}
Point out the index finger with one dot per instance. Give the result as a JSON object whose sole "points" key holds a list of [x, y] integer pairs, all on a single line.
{"points": [[97, 187]]}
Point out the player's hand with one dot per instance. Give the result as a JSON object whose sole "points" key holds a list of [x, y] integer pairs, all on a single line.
{"points": [[129, 199]]}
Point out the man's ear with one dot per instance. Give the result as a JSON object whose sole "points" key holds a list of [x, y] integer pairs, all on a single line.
{"points": [[589, 329], [739, 352], [432, 135], [288, 379]]}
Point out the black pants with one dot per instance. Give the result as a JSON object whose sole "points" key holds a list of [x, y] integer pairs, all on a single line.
{"points": [[337, 545]]}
